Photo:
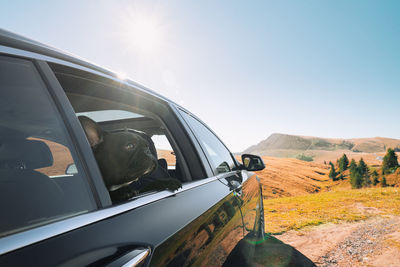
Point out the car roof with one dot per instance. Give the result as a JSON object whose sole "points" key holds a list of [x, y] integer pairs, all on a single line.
{"points": [[13, 40]]}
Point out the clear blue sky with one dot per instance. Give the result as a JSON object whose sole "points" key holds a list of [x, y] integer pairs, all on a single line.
{"points": [[246, 68]]}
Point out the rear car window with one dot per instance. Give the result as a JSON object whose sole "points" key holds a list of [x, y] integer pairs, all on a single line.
{"points": [[35, 152], [133, 147]]}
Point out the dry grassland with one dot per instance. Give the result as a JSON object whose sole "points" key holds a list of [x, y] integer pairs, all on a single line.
{"points": [[299, 194]]}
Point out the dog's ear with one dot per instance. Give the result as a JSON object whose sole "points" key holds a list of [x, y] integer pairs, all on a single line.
{"points": [[93, 132]]}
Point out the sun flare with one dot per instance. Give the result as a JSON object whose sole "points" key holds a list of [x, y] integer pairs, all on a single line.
{"points": [[143, 33]]}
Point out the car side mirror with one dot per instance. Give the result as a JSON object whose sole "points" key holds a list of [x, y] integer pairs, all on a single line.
{"points": [[71, 169], [252, 162]]}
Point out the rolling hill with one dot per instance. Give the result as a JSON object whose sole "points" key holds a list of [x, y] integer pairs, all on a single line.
{"points": [[323, 149], [285, 177]]}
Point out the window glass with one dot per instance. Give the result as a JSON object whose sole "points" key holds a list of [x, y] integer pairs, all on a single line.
{"points": [[35, 152], [219, 156]]}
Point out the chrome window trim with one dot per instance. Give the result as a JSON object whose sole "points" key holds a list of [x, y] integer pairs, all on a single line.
{"points": [[32, 236]]}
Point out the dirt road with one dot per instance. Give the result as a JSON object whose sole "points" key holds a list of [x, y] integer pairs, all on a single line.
{"points": [[374, 242]]}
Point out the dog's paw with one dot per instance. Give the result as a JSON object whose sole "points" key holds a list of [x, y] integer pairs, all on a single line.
{"points": [[171, 184], [122, 194]]}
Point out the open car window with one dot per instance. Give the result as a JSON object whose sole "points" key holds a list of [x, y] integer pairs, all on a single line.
{"points": [[118, 112], [114, 120]]}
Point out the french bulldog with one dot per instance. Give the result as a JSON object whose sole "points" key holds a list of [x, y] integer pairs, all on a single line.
{"points": [[123, 158]]}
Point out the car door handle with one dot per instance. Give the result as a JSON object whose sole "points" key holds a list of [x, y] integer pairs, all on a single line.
{"points": [[235, 185], [135, 258]]}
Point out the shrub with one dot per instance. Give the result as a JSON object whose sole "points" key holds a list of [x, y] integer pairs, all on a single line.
{"points": [[304, 157]]}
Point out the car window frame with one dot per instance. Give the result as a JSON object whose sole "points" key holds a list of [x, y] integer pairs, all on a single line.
{"points": [[73, 150]]}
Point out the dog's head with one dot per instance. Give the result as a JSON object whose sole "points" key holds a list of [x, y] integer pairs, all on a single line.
{"points": [[123, 157]]}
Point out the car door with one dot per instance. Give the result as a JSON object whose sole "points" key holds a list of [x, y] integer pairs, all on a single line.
{"points": [[246, 190], [72, 221]]}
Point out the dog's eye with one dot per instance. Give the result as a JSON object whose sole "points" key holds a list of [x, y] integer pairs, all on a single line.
{"points": [[129, 146]]}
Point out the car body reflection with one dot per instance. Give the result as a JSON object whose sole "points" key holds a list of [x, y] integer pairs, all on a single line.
{"points": [[210, 239]]}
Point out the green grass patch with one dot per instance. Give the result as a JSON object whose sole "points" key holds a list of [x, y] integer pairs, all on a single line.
{"points": [[293, 213]]}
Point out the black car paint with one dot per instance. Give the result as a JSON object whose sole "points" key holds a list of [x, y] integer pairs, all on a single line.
{"points": [[107, 240], [209, 239], [155, 225]]}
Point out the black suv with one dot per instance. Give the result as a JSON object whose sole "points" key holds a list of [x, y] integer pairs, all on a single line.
{"points": [[56, 209]]}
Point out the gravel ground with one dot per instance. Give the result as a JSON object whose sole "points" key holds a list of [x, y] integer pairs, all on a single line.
{"points": [[362, 244]]}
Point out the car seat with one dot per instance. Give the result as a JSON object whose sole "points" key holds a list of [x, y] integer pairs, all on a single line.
{"points": [[26, 195]]}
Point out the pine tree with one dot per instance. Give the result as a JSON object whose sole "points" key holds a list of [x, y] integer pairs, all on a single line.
{"points": [[353, 173], [384, 184], [332, 172], [343, 163], [363, 168], [356, 180], [375, 177], [364, 172], [389, 162], [366, 180], [353, 169], [352, 166]]}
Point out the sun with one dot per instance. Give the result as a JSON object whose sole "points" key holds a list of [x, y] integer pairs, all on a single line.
{"points": [[143, 33]]}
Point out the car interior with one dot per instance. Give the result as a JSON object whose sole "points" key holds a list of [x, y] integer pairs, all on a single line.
{"points": [[115, 109], [151, 130]]}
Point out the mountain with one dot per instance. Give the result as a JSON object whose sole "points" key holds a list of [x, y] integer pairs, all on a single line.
{"points": [[291, 146]]}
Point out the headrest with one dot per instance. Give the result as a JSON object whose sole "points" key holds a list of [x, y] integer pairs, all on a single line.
{"points": [[24, 154], [163, 163]]}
